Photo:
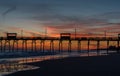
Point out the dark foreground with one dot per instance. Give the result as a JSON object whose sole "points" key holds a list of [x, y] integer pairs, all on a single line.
{"points": [[76, 66]]}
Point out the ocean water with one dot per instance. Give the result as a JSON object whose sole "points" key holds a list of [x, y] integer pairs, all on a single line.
{"points": [[13, 64]]}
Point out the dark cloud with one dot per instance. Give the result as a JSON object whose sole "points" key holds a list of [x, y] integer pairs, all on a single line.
{"points": [[109, 15], [9, 10], [29, 6], [68, 20], [40, 8]]}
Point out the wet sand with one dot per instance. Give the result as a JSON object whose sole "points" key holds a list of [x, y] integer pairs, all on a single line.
{"points": [[76, 66]]}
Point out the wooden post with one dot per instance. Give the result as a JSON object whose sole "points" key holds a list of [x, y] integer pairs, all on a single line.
{"points": [[69, 46], [17, 45], [1, 46], [34, 46], [9, 45], [118, 46], [31, 49], [79, 45], [43, 45], [88, 47], [22, 45], [40, 45], [98, 47], [51, 46], [107, 46], [60, 45], [26, 45], [5, 44], [13, 45]]}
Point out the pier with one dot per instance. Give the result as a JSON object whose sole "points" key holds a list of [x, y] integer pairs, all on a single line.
{"points": [[12, 44]]}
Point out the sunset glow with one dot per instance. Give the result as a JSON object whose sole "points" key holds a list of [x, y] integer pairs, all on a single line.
{"points": [[35, 17]]}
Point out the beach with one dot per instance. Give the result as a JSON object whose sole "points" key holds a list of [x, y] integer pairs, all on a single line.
{"points": [[76, 66]]}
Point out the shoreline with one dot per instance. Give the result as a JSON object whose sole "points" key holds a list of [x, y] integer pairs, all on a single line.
{"points": [[85, 66]]}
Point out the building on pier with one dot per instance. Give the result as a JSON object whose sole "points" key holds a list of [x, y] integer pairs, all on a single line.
{"points": [[65, 36], [11, 35], [118, 36]]}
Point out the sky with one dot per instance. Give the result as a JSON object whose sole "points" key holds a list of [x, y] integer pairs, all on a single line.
{"points": [[36, 17]]}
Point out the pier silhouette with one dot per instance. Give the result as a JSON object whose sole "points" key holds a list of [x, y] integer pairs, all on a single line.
{"points": [[12, 40]]}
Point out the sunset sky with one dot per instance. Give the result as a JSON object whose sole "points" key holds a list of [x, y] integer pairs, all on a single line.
{"points": [[89, 17]]}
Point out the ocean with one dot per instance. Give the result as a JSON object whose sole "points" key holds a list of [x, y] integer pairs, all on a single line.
{"points": [[13, 64]]}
